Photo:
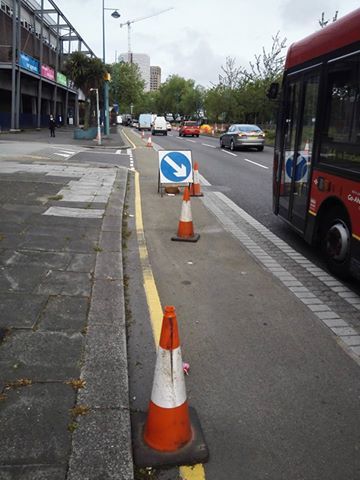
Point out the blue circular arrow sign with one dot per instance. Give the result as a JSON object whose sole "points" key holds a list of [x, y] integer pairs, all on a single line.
{"points": [[175, 166], [301, 167]]}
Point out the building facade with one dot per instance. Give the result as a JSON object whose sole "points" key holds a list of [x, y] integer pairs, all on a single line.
{"points": [[155, 78], [34, 41], [142, 60]]}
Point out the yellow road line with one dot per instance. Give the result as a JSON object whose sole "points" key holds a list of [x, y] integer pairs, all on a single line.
{"points": [[132, 143], [152, 297], [195, 472]]}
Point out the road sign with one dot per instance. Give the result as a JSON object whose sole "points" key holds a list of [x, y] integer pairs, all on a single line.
{"points": [[175, 166], [301, 167]]}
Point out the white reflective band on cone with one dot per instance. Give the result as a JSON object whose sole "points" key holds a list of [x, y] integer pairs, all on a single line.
{"points": [[168, 388], [186, 212], [196, 176]]}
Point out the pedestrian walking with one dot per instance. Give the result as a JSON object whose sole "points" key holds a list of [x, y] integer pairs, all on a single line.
{"points": [[52, 126]]}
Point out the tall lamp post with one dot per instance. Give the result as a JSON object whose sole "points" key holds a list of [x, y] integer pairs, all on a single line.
{"points": [[115, 14], [97, 114]]}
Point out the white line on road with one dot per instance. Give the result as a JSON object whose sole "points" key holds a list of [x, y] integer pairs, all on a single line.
{"points": [[230, 153], [188, 140], [258, 164], [66, 155], [207, 145]]}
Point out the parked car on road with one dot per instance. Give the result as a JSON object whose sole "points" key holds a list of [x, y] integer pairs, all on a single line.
{"points": [[189, 128], [135, 123], [243, 135]]}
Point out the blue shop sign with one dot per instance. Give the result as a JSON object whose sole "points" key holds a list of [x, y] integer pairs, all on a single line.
{"points": [[29, 63]]}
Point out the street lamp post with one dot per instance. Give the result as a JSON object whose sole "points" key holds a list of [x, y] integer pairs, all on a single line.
{"points": [[97, 114], [115, 14]]}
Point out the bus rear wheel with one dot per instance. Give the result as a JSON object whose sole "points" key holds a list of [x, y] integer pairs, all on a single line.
{"points": [[336, 243]]}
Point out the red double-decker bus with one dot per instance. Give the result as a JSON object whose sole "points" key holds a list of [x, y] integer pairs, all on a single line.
{"points": [[316, 182]]}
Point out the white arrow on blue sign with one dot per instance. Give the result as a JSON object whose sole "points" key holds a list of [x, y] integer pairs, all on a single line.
{"points": [[175, 166]]}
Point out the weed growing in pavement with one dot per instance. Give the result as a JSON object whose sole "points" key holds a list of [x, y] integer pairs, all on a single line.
{"points": [[22, 382], [2, 237], [72, 427], [56, 197], [97, 248], [79, 410], [145, 473], [76, 383]]}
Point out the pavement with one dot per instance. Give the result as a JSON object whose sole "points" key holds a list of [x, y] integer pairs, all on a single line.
{"points": [[64, 408]]}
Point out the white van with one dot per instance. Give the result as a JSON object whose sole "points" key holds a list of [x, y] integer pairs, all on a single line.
{"points": [[159, 126], [145, 121]]}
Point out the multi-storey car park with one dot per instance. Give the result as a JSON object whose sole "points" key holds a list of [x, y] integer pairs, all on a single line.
{"points": [[32, 54]]}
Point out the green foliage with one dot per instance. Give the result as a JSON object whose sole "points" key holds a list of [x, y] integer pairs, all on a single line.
{"points": [[86, 73], [126, 86], [240, 95]]}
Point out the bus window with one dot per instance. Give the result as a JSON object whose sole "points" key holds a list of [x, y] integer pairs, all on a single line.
{"points": [[304, 151], [340, 139]]}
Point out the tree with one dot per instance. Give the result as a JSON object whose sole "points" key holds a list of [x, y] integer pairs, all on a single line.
{"points": [[126, 86], [86, 73], [268, 66], [231, 75]]}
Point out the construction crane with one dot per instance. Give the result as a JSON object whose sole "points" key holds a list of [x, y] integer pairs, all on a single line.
{"points": [[129, 22]]}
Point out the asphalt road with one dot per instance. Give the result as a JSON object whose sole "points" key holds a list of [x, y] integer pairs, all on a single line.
{"points": [[245, 177]]}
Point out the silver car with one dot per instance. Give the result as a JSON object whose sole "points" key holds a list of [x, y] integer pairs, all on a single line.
{"points": [[243, 135]]}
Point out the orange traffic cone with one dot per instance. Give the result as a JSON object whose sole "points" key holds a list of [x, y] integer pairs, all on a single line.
{"points": [[171, 433], [195, 188], [167, 427], [148, 143], [185, 231]]}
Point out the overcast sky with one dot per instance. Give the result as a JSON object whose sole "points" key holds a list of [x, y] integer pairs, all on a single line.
{"points": [[195, 37]]}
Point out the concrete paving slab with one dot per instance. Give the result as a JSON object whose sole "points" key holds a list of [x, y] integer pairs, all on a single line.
{"points": [[34, 426], [82, 262], [20, 311], [18, 279], [65, 283], [63, 313], [41, 356]]}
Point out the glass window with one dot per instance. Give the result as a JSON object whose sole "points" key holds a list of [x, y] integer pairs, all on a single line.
{"points": [[340, 137]]}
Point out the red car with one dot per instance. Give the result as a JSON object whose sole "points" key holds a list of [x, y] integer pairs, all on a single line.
{"points": [[189, 128]]}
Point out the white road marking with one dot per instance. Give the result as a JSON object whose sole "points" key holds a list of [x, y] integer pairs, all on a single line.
{"points": [[66, 155], [229, 153], [207, 145], [118, 152], [258, 164], [69, 152], [188, 140]]}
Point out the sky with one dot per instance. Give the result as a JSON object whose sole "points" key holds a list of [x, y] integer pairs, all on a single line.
{"points": [[194, 38]]}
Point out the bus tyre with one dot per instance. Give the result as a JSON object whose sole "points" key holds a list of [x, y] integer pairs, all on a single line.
{"points": [[336, 242]]}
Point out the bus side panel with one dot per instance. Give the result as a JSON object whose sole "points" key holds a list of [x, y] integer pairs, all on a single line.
{"points": [[324, 186]]}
